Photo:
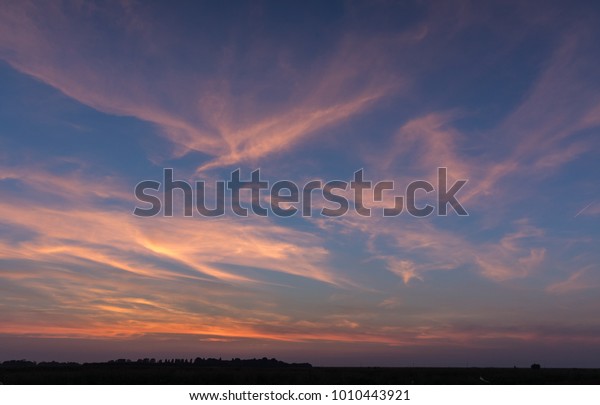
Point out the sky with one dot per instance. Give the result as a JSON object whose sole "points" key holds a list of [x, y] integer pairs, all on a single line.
{"points": [[99, 96]]}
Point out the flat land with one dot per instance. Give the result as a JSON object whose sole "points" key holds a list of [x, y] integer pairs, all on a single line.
{"points": [[189, 374]]}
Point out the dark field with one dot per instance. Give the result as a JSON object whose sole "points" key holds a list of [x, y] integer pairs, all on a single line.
{"points": [[134, 373]]}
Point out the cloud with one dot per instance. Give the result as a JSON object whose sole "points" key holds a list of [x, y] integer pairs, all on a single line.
{"points": [[552, 125], [75, 226], [576, 282], [403, 268], [75, 268], [412, 249], [431, 143], [222, 112]]}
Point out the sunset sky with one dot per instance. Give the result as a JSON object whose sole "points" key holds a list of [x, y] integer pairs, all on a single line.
{"points": [[98, 96]]}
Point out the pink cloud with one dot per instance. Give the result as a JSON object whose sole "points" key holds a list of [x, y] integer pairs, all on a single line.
{"points": [[578, 281], [197, 113]]}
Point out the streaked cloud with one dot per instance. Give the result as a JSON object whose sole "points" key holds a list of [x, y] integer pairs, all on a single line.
{"points": [[219, 113]]}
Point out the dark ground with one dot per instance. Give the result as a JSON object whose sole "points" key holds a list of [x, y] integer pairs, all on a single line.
{"points": [[273, 372]]}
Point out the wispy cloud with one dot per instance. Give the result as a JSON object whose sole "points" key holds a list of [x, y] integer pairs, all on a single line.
{"points": [[578, 281], [220, 113]]}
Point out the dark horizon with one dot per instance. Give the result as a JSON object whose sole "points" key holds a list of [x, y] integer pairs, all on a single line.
{"points": [[213, 371], [99, 350]]}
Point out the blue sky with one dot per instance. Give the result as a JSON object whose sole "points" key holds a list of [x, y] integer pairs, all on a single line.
{"points": [[97, 97]]}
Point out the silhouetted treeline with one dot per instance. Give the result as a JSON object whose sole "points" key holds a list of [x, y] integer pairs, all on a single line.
{"points": [[197, 362], [208, 371]]}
